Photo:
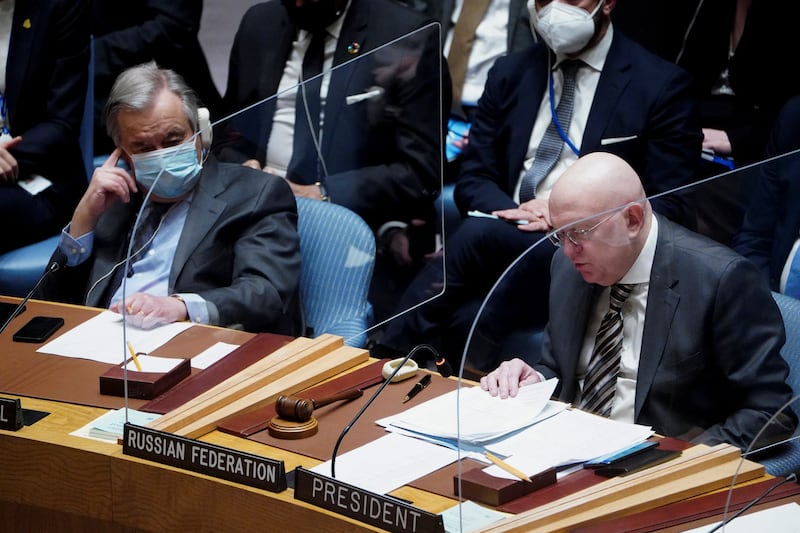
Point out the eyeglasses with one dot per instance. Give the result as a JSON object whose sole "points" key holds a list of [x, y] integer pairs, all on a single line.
{"points": [[576, 236]]}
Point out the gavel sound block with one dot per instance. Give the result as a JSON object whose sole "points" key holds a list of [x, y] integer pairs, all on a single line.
{"points": [[294, 420]]}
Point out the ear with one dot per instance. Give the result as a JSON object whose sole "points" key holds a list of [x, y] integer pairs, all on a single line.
{"points": [[634, 217]]}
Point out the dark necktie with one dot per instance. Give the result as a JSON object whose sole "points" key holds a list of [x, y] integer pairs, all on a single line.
{"points": [[472, 12], [303, 164], [551, 144], [142, 240], [601, 375]]}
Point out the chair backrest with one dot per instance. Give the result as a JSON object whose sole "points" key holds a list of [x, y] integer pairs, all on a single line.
{"points": [[790, 310], [338, 256]]}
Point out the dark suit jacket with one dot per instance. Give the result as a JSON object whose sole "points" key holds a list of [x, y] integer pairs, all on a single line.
{"points": [[384, 155], [638, 95], [46, 77], [710, 358], [772, 222], [239, 250], [136, 31]]}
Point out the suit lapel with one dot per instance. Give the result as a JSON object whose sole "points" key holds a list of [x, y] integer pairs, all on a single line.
{"points": [[25, 28], [203, 213], [662, 302], [615, 77], [352, 38]]}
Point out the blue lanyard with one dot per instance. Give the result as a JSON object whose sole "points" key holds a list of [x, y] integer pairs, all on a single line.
{"points": [[560, 130], [3, 122]]}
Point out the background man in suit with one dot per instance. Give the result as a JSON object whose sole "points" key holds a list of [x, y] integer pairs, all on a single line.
{"points": [[769, 233], [627, 101], [136, 31], [217, 243], [380, 156], [700, 335], [44, 55]]}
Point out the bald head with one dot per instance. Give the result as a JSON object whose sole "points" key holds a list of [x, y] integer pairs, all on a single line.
{"points": [[602, 214], [596, 182]]}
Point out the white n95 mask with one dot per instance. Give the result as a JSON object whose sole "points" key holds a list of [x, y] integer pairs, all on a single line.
{"points": [[565, 28]]}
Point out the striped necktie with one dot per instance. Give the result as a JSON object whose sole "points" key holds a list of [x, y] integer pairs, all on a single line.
{"points": [[601, 375], [549, 149]]}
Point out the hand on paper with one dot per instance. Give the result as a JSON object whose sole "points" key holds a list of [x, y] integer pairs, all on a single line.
{"points": [[146, 311], [507, 378], [534, 211]]}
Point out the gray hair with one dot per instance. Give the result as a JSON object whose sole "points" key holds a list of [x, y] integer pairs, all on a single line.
{"points": [[136, 89]]}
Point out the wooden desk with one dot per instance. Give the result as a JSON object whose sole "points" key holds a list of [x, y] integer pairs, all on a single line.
{"points": [[50, 480]]}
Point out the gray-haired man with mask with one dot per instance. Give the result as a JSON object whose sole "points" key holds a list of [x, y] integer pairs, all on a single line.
{"points": [[215, 243]]}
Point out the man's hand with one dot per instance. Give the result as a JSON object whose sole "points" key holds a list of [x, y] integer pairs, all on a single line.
{"points": [[306, 191], [506, 379], [717, 141], [9, 169], [534, 211], [146, 311], [109, 184]]}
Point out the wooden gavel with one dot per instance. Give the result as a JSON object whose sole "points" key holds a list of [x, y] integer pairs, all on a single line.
{"points": [[300, 409]]}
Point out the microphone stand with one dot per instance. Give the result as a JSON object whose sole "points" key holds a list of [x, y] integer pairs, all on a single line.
{"points": [[52, 267], [372, 399]]}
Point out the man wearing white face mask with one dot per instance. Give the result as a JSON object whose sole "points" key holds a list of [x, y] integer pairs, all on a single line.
{"points": [[626, 101], [216, 243]]}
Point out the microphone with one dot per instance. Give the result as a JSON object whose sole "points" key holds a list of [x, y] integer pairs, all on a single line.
{"points": [[374, 396], [443, 366], [54, 265], [788, 479]]}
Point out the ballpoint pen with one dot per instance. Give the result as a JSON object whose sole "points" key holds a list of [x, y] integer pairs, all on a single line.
{"points": [[507, 467], [135, 359], [418, 386]]}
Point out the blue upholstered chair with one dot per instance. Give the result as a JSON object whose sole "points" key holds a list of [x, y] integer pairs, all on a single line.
{"points": [[20, 269], [785, 459], [338, 251]]}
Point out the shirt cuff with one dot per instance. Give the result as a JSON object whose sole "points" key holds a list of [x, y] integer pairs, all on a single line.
{"points": [[196, 307], [76, 250]]}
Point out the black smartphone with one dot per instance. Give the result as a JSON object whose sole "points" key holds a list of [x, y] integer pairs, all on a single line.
{"points": [[6, 309], [38, 329]]}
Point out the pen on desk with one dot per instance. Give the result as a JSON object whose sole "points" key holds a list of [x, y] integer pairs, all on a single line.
{"points": [[135, 359], [418, 386], [507, 467]]}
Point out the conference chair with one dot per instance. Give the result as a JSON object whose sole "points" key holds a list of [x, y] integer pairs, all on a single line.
{"points": [[785, 458], [20, 269], [338, 256]]}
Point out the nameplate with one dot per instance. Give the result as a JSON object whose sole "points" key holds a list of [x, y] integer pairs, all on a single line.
{"points": [[204, 458], [377, 510], [10, 414]]}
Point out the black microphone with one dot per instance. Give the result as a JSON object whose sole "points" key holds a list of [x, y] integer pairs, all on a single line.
{"points": [[372, 399], [54, 265]]}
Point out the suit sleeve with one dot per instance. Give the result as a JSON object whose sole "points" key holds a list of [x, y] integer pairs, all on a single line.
{"points": [[750, 361], [264, 263]]}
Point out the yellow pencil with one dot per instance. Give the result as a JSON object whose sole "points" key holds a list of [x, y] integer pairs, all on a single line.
{"points": [[507, 467], [135, 359]]}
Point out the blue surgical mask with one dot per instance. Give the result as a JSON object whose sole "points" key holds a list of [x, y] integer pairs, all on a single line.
{"points": [[181, 170]]}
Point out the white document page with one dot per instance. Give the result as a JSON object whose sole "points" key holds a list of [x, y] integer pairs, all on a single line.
{"points": [[212, 354], [482, 417], [782, 519], [568, 437], [388, 463], [100, 339]]}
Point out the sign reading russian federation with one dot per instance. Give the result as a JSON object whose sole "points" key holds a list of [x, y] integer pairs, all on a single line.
{"points": [[204, 458], [377, 510]]}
